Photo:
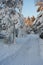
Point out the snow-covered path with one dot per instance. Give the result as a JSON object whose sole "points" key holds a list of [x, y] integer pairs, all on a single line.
{"points": [[29, 53]]}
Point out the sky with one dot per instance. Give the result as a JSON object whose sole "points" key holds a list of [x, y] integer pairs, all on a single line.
{"points": [[29, 8]]}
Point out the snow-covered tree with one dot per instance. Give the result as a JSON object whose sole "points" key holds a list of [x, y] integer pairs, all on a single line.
{"points": [[9, 17], [38, 23]]}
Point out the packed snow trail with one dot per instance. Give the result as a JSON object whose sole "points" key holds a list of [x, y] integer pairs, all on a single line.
{"points": [[28, 54]]}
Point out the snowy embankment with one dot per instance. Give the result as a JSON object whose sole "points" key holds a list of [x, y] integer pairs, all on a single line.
{"points": [[26, 51]]}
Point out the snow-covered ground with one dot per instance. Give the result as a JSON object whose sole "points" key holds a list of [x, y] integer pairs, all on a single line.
{"points": [[26, 51]]}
